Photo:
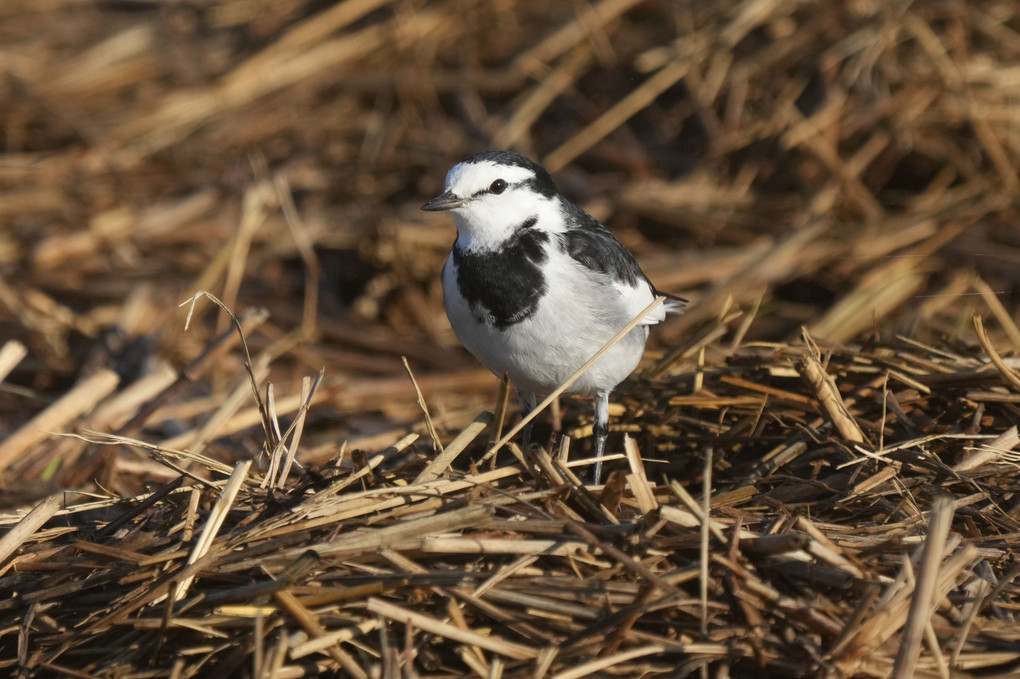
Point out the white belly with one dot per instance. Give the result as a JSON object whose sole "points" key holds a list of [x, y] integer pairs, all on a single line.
{"points": [[542, 351]]}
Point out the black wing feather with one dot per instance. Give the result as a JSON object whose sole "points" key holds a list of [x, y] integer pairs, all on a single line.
{"points": [[593, 246]]}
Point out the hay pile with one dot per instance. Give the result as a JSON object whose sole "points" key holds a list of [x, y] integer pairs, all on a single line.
{"points": [[819, 474]]}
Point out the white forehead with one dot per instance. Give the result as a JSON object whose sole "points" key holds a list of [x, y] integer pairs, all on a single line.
{"points": [[465, 179]]}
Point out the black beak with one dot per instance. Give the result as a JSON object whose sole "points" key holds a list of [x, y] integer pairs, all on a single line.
{"points": [[444, 201]]}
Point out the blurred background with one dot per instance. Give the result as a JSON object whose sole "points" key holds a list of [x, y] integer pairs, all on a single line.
{"points": [[849, 166]]}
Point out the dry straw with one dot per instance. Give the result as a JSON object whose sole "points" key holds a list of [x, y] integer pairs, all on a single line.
{"points": [[814, 472]]}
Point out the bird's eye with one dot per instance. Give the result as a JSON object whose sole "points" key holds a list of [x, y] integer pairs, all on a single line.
{"points": [[498, 186]]}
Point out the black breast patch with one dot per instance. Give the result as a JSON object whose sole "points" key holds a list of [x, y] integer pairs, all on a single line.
{"points": [[507, 283]]}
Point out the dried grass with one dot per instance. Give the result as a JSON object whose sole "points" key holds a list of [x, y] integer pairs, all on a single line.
{"points": [[818, 476]]}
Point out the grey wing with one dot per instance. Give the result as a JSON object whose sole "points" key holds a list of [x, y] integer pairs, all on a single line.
{"points": [[594, 247]]}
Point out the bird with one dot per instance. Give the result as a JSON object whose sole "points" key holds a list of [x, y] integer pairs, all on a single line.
{"points": [[534, 286]]}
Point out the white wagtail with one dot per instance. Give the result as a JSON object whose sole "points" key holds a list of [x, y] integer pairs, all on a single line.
{"points": [[534, 285]]}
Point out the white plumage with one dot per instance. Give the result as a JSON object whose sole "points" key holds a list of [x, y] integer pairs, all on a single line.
{"points": [[569, 325], [534, 286]]}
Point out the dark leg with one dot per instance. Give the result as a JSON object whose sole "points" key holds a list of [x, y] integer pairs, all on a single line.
{"points": [[601, 430], [528, 402]]}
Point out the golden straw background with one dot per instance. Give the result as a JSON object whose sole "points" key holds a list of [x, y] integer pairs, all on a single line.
{"points": [[819, 477]]}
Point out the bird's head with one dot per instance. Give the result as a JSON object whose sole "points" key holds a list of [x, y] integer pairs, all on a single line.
{"points": [[492, 194]]}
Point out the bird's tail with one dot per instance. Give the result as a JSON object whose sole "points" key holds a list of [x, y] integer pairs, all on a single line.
{"points": [[673, 304]]}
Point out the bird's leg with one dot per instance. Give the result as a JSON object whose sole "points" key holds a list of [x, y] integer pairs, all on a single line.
{"points": [[527, 401], [601, 430]]}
